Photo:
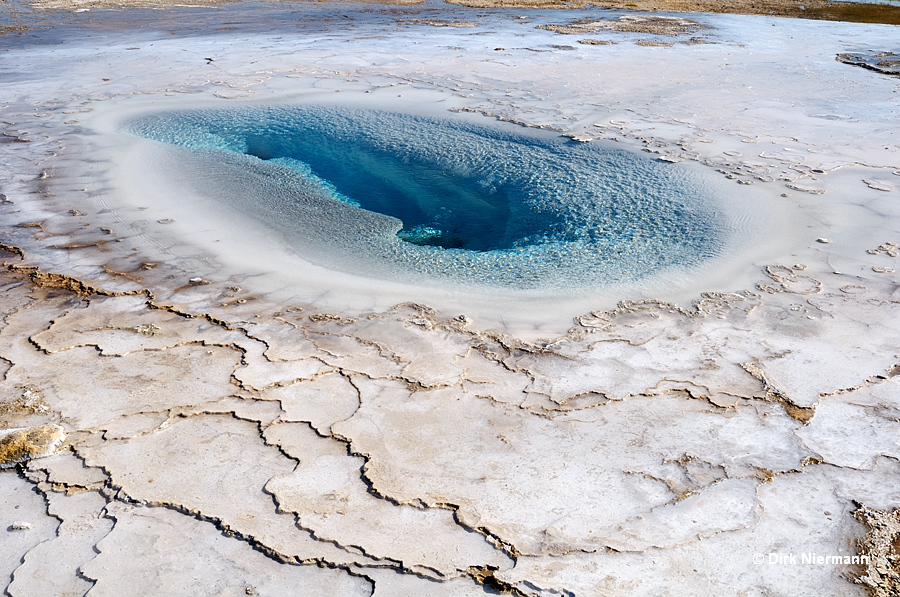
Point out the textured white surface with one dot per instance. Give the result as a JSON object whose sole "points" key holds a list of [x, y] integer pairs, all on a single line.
{"points": [[239, 419]]}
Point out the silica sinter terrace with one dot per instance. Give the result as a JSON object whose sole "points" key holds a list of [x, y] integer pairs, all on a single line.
{"points": [[407, 197]]}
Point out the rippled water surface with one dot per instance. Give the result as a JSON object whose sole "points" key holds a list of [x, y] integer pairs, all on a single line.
{"points": [[406, 196]]}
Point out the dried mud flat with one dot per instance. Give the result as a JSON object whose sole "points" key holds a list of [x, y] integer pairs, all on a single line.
{"points": [[169, 429]]}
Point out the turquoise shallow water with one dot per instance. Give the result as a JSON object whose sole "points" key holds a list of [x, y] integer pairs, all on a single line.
{"points": [[398, 195]]}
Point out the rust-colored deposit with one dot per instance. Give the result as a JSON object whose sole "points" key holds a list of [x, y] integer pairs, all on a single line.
{"points": [[20, 445]]}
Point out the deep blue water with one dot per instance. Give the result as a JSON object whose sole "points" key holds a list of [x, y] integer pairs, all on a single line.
{"points": [[486, 203], [441, 202]]}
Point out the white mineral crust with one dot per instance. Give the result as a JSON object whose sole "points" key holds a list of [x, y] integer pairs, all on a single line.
{"points": [[241, 420]]}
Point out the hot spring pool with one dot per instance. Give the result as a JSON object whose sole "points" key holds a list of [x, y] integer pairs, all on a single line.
{"points": [[434, 200]]}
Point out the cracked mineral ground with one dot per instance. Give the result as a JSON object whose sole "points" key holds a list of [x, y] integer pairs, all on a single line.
{"points": [[194, 402]]}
